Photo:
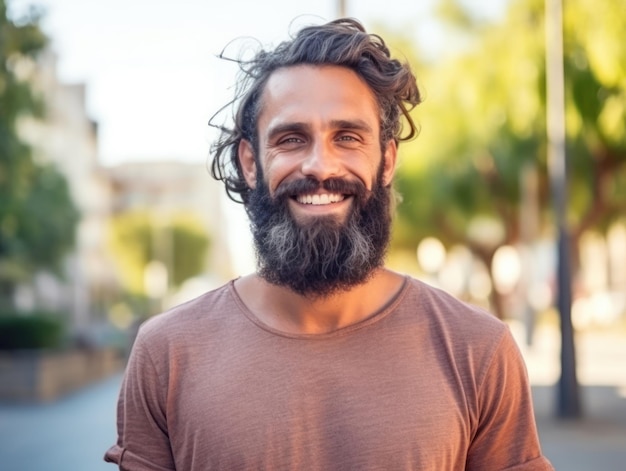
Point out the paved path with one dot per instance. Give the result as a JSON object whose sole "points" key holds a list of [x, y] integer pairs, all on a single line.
{"points": [[68, 435], [597, 442]]}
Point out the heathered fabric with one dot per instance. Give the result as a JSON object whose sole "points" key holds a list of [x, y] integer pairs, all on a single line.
{"points": [[428, 383]]}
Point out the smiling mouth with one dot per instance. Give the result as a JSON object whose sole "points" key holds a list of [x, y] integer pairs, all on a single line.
{"points": [[326, 198]]}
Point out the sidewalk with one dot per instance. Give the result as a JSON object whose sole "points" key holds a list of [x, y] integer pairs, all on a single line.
{"points": [[597, 441], [71, 434]]}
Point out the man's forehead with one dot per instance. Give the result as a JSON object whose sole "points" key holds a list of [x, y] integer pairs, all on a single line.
{"points": [[335, 94], [285, 76]]}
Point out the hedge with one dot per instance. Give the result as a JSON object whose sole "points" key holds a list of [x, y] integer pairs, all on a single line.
{"points": [[31, 331]]}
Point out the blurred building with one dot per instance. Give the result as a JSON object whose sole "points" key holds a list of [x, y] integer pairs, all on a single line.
{"points": [[68, 138], [168, 187]]}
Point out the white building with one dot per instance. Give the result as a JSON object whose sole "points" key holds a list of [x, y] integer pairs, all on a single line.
{"points": [[168, 187], [68, 138]]}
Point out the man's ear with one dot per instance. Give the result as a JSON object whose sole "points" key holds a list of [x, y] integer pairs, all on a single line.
{"points": [[389, 165], [247, 162]]}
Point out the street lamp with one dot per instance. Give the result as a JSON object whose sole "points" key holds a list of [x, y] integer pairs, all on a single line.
{"points": [[568, 405], [342, 8]]}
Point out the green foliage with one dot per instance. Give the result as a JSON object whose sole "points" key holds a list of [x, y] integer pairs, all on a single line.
{"points": [[37, 216], [483, 125], [35, 330], [483, 122], [452, 12], [37, 226], [20, 42], [139, 237]]}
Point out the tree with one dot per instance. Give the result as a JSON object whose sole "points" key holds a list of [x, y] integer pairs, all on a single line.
{"points": [[485, 108], [179, 242], [37, 216], [595, 68]]}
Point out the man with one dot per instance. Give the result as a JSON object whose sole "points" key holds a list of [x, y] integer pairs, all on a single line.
{"points": [[323, 359]]}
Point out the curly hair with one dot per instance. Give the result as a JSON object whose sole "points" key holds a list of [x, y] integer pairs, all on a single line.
{"points": [[343, 42]]}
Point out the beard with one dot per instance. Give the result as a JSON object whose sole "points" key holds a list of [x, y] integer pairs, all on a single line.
{"points": [[322, 255]]}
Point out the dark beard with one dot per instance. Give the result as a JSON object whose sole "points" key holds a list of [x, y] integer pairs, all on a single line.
{"points": [[322, 256]]}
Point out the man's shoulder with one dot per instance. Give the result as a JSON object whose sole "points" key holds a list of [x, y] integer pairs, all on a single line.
{"points": [[442, 308], [190, 315], [457, 329]]}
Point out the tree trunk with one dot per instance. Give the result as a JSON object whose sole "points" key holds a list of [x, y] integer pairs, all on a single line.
{"points": [[7, 291], [496, 300]]}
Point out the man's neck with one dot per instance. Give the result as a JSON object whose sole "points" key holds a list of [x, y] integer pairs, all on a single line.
{"points": [[289, 312]]}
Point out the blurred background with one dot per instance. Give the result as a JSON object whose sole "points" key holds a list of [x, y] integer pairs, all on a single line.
{"points": [[108, 213]]}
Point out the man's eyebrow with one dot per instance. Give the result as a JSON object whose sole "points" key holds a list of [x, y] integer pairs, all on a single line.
{"points": [[352, 124], [296, 126], [283, 128]]}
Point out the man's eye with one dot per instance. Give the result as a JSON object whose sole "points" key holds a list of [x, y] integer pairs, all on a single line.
{"points": [[291, 140], [348, 138]]}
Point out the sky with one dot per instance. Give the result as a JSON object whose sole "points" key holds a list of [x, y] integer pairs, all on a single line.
{"points": [[151, 68], [152, 75]]}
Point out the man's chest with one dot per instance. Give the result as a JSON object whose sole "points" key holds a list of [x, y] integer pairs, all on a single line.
{"points": [[374, 409]]}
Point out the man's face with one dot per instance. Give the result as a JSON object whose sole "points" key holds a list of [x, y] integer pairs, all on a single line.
{"points": [[320, 205]]}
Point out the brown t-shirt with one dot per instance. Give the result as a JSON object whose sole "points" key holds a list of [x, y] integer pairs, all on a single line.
{"points": [[428, 383]]}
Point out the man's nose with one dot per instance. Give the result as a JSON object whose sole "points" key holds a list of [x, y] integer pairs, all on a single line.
{"points": [[321, 162]]}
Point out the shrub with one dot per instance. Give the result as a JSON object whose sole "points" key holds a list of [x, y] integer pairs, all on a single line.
{"points": [[33, 331]]}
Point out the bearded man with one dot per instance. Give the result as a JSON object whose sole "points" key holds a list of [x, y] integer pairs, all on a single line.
{"points": [[323, 359]]}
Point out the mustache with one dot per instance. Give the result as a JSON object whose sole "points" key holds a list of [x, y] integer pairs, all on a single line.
{"points": [[333, 185], [324, 256]]}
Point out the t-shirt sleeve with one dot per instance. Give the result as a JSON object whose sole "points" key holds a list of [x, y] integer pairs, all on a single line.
{"points": [[506, 435], [143, 442]]}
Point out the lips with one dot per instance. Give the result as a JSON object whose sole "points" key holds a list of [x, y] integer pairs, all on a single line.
{"points": [[309, 191], [325, 198]]}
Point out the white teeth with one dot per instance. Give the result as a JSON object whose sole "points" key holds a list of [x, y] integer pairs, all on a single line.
{"points": [[320, 199]]}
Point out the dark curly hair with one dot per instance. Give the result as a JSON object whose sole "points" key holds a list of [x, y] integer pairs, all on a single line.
{"points": [[343, 42]]}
